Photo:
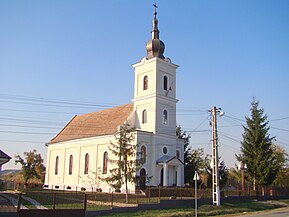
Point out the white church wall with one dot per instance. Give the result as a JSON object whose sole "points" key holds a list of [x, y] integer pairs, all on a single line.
{"points": [[148, 105], [95, 147], [155, 144], [169, 126]]}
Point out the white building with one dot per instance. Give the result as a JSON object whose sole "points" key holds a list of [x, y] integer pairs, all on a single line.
{"points": [[79, 154]]}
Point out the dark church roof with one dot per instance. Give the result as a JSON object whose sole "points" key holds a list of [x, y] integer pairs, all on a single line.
{"points": [[100, 123], [4, 158], [3, 155]]}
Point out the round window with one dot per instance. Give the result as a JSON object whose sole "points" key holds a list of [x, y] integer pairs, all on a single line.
{"points": [[165, 150]]}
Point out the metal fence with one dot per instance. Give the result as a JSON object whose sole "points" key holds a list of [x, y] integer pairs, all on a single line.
{"points": [[48, 199]]}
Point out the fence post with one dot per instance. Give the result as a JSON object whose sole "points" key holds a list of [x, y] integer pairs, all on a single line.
{"points": [[85, 201], [159, 193], [149, 198], [180, 192], [19, 202], [137, 196], [54, 200], [111, 199]]}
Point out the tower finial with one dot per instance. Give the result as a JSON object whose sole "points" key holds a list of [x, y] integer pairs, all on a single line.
{"points": [[155, 11], [155, 47]]}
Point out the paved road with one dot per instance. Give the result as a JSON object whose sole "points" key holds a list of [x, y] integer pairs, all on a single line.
{"points": [[282, 212]]}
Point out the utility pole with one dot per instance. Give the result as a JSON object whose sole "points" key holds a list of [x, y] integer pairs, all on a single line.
{"points": [[215, 157]]}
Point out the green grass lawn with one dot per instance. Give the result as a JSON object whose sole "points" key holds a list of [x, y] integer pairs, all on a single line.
{"points": [[209, 210]]}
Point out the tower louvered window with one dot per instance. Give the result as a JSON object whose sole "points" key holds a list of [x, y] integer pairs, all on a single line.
{"points": [[145, 82]]}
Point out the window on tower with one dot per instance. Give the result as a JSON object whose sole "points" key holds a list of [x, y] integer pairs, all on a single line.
{"points": [[178, 154], [165, 82], [145, 82], [143, 154], [165, 117], [144, 116]]}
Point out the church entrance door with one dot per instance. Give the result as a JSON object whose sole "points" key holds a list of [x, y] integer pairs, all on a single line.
{"points": [[142, 181]]}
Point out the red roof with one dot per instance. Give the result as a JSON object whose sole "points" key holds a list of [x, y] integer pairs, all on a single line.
{"points": [[104, 122]]}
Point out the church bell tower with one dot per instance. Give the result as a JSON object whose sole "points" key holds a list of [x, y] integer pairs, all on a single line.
{"points": [[155, 88]]}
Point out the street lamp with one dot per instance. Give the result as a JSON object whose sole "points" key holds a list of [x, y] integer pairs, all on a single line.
{"points": [[242, 166]]}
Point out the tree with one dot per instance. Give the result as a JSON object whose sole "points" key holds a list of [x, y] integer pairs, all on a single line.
{"points": [[194, 159], [32, 166], [282, 178], [257, 150], [223, 174], [186, 137], [234, 178], [188, 170], [197, 161], [126, 163]]}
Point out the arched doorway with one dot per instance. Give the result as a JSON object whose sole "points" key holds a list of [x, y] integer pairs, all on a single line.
{"points": [[176, 178], [142, 180]]}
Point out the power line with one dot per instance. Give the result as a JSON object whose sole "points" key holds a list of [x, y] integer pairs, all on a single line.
{"points": [[229, 137], [36, 111], [276, 128], [20, 141], [279, 119], [20, 132], [30, 121], [27, 126], [55, 101], [63, 103], [206, 119]]}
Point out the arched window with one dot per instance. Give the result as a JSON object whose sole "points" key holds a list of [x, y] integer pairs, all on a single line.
{"points": [[165, 117], [105, 162], [143, 154], [145, 82], [178, 154], [70, 164], [165, 82], [56, 165], [144, 116], [86, 164]]}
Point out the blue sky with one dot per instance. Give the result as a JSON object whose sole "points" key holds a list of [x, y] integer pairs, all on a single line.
{"points": [[60, 58]]}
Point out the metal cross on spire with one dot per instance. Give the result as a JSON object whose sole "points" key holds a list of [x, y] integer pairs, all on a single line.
{"points": [[155, 6]]}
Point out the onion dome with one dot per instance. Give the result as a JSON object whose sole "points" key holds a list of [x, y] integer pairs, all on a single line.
{"points": [[155, 47]]}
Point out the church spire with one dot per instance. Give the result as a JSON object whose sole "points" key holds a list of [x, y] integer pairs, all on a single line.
{"points": [[155, 47], [155, 31]]}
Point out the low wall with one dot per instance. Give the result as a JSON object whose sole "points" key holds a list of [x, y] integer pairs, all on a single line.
{"points": [[51, 212]]}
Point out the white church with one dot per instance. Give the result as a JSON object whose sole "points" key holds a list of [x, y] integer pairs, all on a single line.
{"points": [[78, 156]]}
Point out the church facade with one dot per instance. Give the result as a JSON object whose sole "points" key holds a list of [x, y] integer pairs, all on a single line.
{"points": [[78, 156]]}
